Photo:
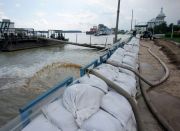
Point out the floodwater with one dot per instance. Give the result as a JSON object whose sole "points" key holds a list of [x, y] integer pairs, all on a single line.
{"points": [[27, 73]]}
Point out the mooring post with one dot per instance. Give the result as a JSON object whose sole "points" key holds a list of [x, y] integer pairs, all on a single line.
{"points": [[90, 39], [76, 37], [106, 41]]}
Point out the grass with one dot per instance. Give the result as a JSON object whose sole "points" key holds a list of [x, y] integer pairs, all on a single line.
{"points": [[175, 39]]}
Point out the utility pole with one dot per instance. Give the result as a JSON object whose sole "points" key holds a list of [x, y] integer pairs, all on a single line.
{"points": [[132, 20], [172, 31], [117, 20]]}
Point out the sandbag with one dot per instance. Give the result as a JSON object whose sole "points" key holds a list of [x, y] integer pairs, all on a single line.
{"points": [[131, 48], [130, 61], [127, 79], [129, 89], [59, 116], [101, 121], [108, 71], [128, 72], [94, 81], [40, 123], [115, 59], [131, 54], [82, 100], [120, 51], [117, 56], [131, 124], [117, 106]]}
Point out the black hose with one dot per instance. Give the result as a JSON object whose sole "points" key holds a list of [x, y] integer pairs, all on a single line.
{"points": [[123, 93]]}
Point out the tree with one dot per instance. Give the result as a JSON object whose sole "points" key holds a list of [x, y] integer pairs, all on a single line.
{"points": [[161, 29]]}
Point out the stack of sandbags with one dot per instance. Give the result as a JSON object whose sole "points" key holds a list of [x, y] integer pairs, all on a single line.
{"points": [[125, 79], [128, 55], [115, 115]]}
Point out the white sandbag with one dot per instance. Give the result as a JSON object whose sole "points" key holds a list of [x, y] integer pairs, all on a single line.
{"points": [[102, 121], [125, 78], [94, 81], [129, 89], [131, 124], [131, 54], [108, 71], [128, 72], [130, 61], [131, 48], [117, 58], [40, 123], [82, 100], [59, 116], [120, 51], [127, 47], [117, 106]]}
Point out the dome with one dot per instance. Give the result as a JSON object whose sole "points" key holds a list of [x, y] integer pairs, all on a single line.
{"points": [[161, 14]]}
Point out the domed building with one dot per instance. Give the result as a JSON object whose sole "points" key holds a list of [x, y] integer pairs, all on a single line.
{"points": [[158, 20]]}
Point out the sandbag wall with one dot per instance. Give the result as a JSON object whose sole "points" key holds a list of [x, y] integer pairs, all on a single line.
{"points": [[90, 104]]}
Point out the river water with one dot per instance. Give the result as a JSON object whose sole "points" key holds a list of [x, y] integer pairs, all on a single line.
{"points": [[27, 73]]}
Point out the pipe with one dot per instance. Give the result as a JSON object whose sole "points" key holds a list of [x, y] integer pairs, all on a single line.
{"points": [[163, 65], [123, 93], [154, 111]]}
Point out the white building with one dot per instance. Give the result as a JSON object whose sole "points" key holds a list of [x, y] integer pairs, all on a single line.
{"points": [[158, 20]]}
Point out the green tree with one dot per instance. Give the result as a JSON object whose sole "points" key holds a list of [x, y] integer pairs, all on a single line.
{"points": [[161, 29]]}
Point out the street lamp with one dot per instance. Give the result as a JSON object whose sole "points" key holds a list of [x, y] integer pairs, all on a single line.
{"points": [[117, 20]]}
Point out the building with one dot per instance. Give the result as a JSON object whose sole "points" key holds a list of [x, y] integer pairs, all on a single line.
{"points": [[6, 26], [141, 28], [152, 23], [158, 20]]}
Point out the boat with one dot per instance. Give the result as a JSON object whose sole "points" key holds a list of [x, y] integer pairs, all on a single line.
{"points": [[92, 31], [69, 106]]}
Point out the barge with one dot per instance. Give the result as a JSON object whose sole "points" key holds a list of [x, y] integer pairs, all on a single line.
{"points": [[12, 39]]}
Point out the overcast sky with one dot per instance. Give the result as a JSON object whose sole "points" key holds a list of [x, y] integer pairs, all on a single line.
{"points": [[82, 14]]}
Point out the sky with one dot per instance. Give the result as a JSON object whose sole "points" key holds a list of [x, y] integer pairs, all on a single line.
{"points": [[83, 14]]}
